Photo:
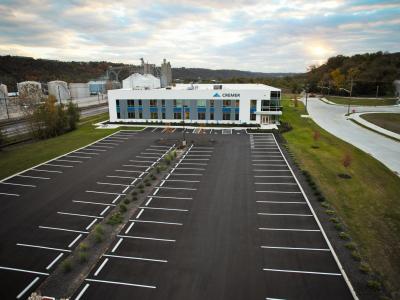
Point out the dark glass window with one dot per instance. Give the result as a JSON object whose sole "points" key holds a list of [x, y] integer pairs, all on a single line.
{"points": [[153, 115], [117, 102], [118, 115], [212, 103], [163, 103], [201, 116], [212, 116], [163, 115], [153, 103], [236, 116], [131, 102], [252, 117], [226, 103], [131, 115], [275, 94], [177, 116], [140, 115], [140, 102], [226, 116]]}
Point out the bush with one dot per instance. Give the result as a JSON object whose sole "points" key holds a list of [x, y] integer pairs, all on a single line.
{"points": [[141, 191], [66, 265], [374, 284], [355, 255], [330, 212], [167, 160], [98, 237], [134, 193], [83, 246], [116, 218], [158, 169], [134, 198], [126, 201], [83, 257], [141, 186], [317, 192], [148, 183], [365, 268], [344, 236], [325, 204], [338, 227], [321, 198], [153, 177], [146, 180], [99, 229], [350, 246], [122, 208], [334, 220]]}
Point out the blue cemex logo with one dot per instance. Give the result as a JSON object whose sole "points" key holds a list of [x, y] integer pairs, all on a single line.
{"points": [[216, 95]]}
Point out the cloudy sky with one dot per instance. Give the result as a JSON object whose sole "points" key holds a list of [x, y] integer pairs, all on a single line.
{"points": [[256, 35]]}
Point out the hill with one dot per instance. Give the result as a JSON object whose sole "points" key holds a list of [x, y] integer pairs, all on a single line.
{"points": [[15, 69]]}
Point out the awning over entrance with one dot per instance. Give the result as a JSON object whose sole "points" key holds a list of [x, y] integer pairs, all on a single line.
{"points": [[270, 112]]}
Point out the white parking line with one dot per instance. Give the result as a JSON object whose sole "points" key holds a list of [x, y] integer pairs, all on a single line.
{"points": [[54, 261], [184, 168], [117, 245], [8, 194], [43, 247], [145, 238], [76, 156], [168, 197], [86, 153], [289, 229], [23, 271], [272, 165], [95, 150], [136, 258], [61, 166], [33, 177], [278, 192], [106, 143], [82, 291], [126, 177], [117, 184], [138, 166], [282, 202], [303, 272], [75, 240], [180, 174], [163, 208], [18, 184], [71, 161], [154, 146], [90, 202], [196, 164], [129, 171], [295, 248], [48, 171], [116, 138], [289, 215], [275, 176], [176, 188], [196, 159], [107, 193], [28, 287], [147, 157], [129, 228], [156, 222], [91, 224], [101, 267], [62, 229], [104, 210], [277, 183], [259, 170], [122, 283], [181, 180], [139, 214], [77, 215], [107, 147]]}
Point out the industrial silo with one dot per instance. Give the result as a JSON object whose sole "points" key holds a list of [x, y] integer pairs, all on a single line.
{"points": [[79, 90], [59, 89], [30, 90], [3, 91]]}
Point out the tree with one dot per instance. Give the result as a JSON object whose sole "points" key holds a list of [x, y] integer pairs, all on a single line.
{"points": [[72, 115], [338, 78]]}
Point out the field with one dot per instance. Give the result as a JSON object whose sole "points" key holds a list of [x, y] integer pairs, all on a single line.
{"points": [[388, 121], [362, 102], [368, 203], [17, 158]]}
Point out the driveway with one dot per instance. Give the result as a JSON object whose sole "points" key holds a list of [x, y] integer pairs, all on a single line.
{"points": [[332, 118]]}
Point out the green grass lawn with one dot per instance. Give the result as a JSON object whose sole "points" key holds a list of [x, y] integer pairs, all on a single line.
{"points": [[389, 121], [368, 203], [366, 102], [17, 158]]}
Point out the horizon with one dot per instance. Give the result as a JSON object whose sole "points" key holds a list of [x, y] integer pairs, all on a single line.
{"points": [[239, 35]]}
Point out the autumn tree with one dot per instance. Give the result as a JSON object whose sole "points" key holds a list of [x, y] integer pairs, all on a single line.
{"points": [[338, 78]]}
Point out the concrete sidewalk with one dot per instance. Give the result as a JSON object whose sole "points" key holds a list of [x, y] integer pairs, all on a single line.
{"points": [[332, 118]]}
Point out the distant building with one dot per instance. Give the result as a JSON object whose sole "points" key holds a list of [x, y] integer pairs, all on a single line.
{"points": [[59, 89], [139, 81], [97, 87], [79, 90], [198, 103], [30, 90], [166, 74]]}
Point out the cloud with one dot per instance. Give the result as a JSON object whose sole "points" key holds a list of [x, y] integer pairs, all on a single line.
{"points": [[256, 35]]}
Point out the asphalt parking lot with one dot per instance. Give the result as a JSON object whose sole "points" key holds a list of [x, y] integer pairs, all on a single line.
{"points": [[229, 222]]}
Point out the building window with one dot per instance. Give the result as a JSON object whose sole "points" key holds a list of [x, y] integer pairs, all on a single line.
{"points": [[226, 116], [163, 115], [201, 103], [153, 103], [163, 103], [140, 102], [131, 115], [153, 115], [237, 103], [253, 104], [140, 115], [118, 115], [275, 94], [226, 103], [212, 103], [117, 102], [178, 116], [252, 117], [201, 116], [131, 103], [237, 116], [178, 103], [211, 116]]}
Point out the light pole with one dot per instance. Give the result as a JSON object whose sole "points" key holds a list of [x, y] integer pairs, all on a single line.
{"points": [[306, 90], [348, 106]]}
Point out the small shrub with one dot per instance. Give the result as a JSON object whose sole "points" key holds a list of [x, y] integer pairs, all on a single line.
{"points": [[355, 255], [338, 227], [330, 212], [116, 218], [344, 236], [66, 266], [365, 268], [148, 183], [153, 177], [126, 201], [134, 198], [99, 229], [146, 180], [141, 186], [158, 169], [167, 161], [334, 220], [134, 193], [321, 198], [83, 247], [350, 246], [374, 284], [312, 184], [141, 191], [122, 208], [83, 257], [325, 204], [98, 237], [317, 193]]}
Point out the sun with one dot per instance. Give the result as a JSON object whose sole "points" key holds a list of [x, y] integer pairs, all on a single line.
{"points": [[319, 51]]}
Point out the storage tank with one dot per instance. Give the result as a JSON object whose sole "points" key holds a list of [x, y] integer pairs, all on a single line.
{"points": [[3, 91], [79, 90], [98, 86], [30, 90], [59, 89]]}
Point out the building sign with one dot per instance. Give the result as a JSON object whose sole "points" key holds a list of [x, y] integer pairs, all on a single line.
{"points": [[227, 95]]}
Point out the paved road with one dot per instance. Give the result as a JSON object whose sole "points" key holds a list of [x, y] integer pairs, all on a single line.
{"points": [[229, 222], [332, 118], [22, 126]]}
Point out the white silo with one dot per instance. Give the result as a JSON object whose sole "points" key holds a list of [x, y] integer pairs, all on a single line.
{"points": [[3, 91], [79, 90], [30, 90], [59, 89]]}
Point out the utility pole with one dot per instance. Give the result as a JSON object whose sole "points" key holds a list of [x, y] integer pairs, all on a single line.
{"points": [[351, 87], [306, 95], [377, 91]]}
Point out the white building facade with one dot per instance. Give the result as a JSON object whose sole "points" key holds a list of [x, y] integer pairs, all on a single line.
{"points": [[239, 104]]}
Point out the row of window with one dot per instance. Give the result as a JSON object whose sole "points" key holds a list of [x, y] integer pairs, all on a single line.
{"points": [[178, 116], [179, 103]]}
